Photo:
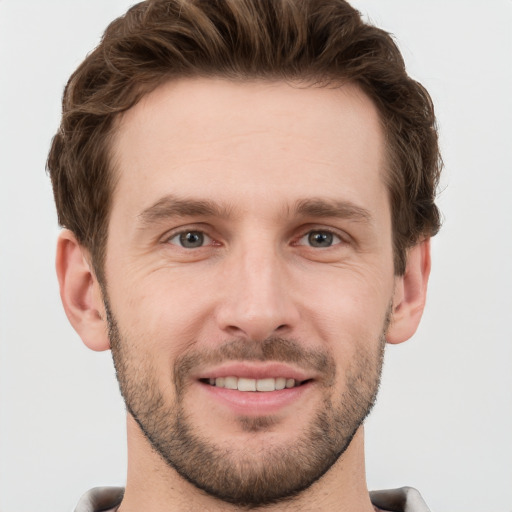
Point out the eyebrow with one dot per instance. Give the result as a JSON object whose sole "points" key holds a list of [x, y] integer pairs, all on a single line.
{"points": [[333, 208], [172, 206]]}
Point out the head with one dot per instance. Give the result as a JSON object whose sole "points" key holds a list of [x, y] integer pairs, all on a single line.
{"points": [[315, 44], [249, 192]]}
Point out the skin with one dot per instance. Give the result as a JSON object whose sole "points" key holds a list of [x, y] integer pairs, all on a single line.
{"points": [[262, 154]]}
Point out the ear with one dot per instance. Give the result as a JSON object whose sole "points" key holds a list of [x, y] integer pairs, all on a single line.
{"points": [[410, 294], [80, 292]]}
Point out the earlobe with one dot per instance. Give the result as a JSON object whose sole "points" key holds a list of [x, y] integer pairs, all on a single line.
{"points": [[410, 294], [80, 292]]}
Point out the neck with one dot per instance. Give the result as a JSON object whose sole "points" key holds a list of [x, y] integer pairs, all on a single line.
{"points": [[153, 485]]}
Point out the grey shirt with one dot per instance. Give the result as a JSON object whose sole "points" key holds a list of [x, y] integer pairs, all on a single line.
{"points": [[405, 499]]}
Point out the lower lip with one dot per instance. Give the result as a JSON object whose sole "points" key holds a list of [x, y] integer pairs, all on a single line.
{"points": [[256, 403]]}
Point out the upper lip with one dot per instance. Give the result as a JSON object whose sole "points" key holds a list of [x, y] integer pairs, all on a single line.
{"points": [[255, 370]]}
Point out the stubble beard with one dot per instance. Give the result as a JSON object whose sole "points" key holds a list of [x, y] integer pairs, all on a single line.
{"points": [[249, 478]]}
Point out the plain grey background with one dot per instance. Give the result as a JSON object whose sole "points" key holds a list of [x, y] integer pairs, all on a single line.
{"points": [[443, 422]]}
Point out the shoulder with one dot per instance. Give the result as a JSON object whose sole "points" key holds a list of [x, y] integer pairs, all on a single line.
{"points": [[100, 499], [404, 499]]}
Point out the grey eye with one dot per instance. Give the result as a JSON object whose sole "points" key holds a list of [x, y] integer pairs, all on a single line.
{"points": [[190, 239], [319, 239]]}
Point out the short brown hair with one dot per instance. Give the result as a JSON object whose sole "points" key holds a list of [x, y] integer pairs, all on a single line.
{"points": [[316, 42]]}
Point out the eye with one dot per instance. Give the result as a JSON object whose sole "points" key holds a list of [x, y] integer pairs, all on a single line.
{"points": [[190, 239], [319, 239]]}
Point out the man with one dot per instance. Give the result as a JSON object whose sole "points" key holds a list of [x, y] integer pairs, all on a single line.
{"points": [[247, 190]]}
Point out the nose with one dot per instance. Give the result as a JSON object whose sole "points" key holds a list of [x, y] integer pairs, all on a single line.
{"points": [[257, 299]]}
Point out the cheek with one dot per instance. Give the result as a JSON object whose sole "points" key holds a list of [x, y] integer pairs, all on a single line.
{"points": [[350, 308], [164, 312]]}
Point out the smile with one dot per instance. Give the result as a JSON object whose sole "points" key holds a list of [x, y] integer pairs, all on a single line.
{"points": [[245, 384], [254, 389]]}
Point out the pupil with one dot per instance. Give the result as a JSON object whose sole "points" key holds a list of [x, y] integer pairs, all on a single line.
{"points": [[192, 239], [320, 239]]}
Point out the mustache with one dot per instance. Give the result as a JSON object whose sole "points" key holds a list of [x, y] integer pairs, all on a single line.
{"points": [[275, 349]]}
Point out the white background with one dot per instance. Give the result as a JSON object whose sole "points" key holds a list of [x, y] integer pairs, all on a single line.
{"points": [[444, 419]]}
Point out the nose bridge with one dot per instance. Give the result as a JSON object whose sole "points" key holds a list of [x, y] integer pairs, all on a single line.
{"points": [[261, 272], [257, 301]]}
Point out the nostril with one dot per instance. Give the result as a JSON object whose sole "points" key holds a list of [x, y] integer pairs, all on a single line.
{"points": [[233, 329]]}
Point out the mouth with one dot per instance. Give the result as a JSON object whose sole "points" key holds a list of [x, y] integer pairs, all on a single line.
{"points": [[249, 388], [265, 385]]}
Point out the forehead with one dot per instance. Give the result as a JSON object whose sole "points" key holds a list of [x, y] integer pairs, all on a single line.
{"points": [[247, 141]]}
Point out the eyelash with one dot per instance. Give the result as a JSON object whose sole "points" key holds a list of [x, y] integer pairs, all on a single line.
{"points": [[322, 231], [185, 232]]}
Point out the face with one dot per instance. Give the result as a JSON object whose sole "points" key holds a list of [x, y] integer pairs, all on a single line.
{"points": [[249, 275]]}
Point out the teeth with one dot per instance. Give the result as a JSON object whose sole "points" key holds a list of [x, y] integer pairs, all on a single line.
{"points": [[231, 383], [246, 384], [266, 385], [280, 383], [243, 384]]}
